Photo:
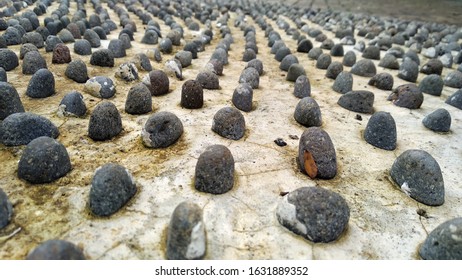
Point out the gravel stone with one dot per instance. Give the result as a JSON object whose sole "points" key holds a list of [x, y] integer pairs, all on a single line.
{"points": [[381, 131], [334, 69], [287, 62], [433, 66], [281, 53], [323, 62], [257, 64], [25, 48], [438, 121], [337, 50], [33, 62], [8, 59], [82, 47], [117, 47], [455, 99], [105, 122], [92, 37], [157, 82], [314, 53], [229, 123], [161, 130], [360, 101], [51, 43], [371, 52], [150, 37], [215, 170], [349, 59], [184, 57], [389, 61], [166, 46], [304, 46], [242, 97], [251, 77], [453, 79]]}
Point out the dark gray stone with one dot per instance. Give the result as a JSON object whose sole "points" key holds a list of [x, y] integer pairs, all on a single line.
{"points": [[419, 176], [101, 87], [407, 96], [443, 243], [251, 77], [453, 79], [193, 48], [215, 170], [25, 48], [343, 83], [433, 66], [304, 46], [364, 68], [184, 57], [6, 209], [242, 97], [371, 52], [44, 160], [381, 131], [409, 70], [117, 47], [82, 47], [323, 62], [157, 82], [8, 59], [229, 123], [208, 80], [455, 99], [215, 66], [192, 95], [432, 84], [103, 58], [360, 101], [112, 187], [161, 130], [77, 71], [389, 61], [316, 214], [12, 36], [150, 37], [33, 38], [125, 40], [92, 37], [33, 62], [327, 44], [349, 59], [66, 36], [41, 85], [287, 62], [438, 121], [412, 55], [3, 75], [10, 102], [281, 53], [174, 36], [276, 46], [257, 64], [72, 105], [51, 43], [337, 50], [166, 46], [139, 100], [295, 70], [308, 113], [302, 87], [21, 128], [314, 53], [142, 62], [334, 69], [446, 60], [383, 81], [56, 250], [105, 122], [248, 55]]}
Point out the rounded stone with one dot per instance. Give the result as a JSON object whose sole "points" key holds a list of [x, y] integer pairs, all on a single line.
{"points": [[308, 113], [184, 57], [304, 46], [453, 79], [343, 83], [316, 154], [327, 44], [92, 37], [408, 71], [127, 71], [3, 75], [157, 82], [125, 40], [302, 87], [433, 66], [349, 59], [383, 81], [117, 47], [82, 47], [192, 95], [165, 45], [215, 170], [250, 76], [44, 160], [314, 53], [33, 38], [161, 130], [295, 70], [276, 46], [316, 214], [105, 122], [364, 68], [193, 48], [41, 85], [248, 55], [112, 187], [281, 53], [186, 238], [173, 68], [8, 59], [337, 50], [455, 99], [103, 58], [142, 62], [25, 48], [257, 64], [51, 43], [56, 250], [215, 66], [438, 121], [139, 100], [208, 80], [150, 37], [242, 97], [77, 71], [6, 209], [287, 62], [381, 131], [360, 101], [407, 96], [389, 61], [371, 52], [229, 123], [33, 62], [323, 62], [61, 54], [419, 176], [101, 87], [334, 69], [444, 242], [413, 56], [432, 84], [66, 36], [10, 102], [72, 105]]}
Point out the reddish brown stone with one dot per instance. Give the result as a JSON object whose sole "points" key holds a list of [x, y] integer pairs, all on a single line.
{"points": [[61, 54]]}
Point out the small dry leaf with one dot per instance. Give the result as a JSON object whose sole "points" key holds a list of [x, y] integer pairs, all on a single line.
{"points": [[310, 165]]}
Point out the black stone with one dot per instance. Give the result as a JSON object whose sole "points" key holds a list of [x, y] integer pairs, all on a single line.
{"points": [[337, 50], [407, 96], [157, 82], [251, 77], [82, 47], [323, 62], [3, 75], [229, 123], [165, 45], [73, 105], [125, 40], [56, 250], [364, 68], [33, 62], [101, 87], [408, 71], [280, 142], [77, 71], [139, 100], [6, 209], [453, 79], [372, 52], [304, 46], [302, 87], [295, 70], [248, 55], [41, 85], [438, 121], [10, 102], [192, 95], [215, 170], [360, 101], [383, 81], [65, 36], [150, 37], [12, 36], [314, 53], [208, 80], [192, 48], [334, 69], [33, 38], [8, 59], [103, 58], [105, 122], [432, 84], [25, 48], [242, 97], [433, 66], [161, 130], [117, 47], [287, 62], [257, 64], [443, 243], [381, 131], [308, 113], [343, 83], [455, 99]]}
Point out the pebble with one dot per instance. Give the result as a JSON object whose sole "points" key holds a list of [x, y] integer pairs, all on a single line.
{"points": [[161, 130], [349, 59], [186, 238], [41, 85], [316, 154], [360, 101], [61, 54], [101, 87], [6, 209], [10, 102], [295, 70], [33, 62], [407, 96], [364, 68], [302, 87], [304, 46], [44, 160], [337, 50], [117, 47], [192, 95], [323, 62], [334, 69], [409, 70], [208, 80], [112, 187], [381, 131], [444, 242], [77, 71], [314, 53], [33, 38], [92, 37], [248, 55], [12, 36], [51, 43], [105, 122], [150, 37], [327, 44], [175, 36], [157, 82], [455, 99], [343, 83], [308, 113], [287, 62], [242, 97], [215, 66], [127, 71], [419, 176], [257, 64], [432, 84], [383, 81], [371, 52], [125, 40], [184, 57], [166, 46], [433, 66], [72, 105], [56, 250], [138, 100], [229, 123], [276, 46], [453, 79], [251, 77], [65, 36], [281, 53], [82, 47], [173, 68], [25, 48], [438, 121], [315, 213], [214, 172], [192, 48], [389, 61], [8, 59], [280, 142], [103, 58], [447, 60]]}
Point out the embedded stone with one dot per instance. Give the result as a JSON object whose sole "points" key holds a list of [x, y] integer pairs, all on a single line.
{"points": [[432, 84], [33, 62], [250, 76], [8, 59], [360, 101], [105, 122], [77, 71], [334, 69], [127, 71], [302, 87], [381, 131], [295, 70], [61, 54], [438, 121], [117, 47], [383, 81], [314, 53], [82, 47], [343, 83], [453, 79], [257, 64], [103, 58], [139, 100], [389, 61], [56, 250], [408, 71], [157, 82], [287, 62], [308, 113], [444, 242], [10, 102], [208, 80], [349, 59], [214, 172], [6, 209], [41, 85], [364, 68], [242, 97], [229, 123], [323, 62], [101, 87], [407, 96], [161, 130], [455, 99]]}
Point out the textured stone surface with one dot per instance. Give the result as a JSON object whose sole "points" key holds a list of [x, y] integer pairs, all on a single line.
{"points": [[229, 122], [215, 170], [438, 121], [308, 113], [302, 87], [364, 68], [72, 105], [455, 99], [242, 97], [56, 250], [381, 131], [10, 102], [250, 76], [105, 122], [407, 96], [77, 71], [208, 80], [161, 130], [444, 242], [101, 87], [383, 81], [361, 101], [139, 100], [157, 82], [6, 209], [432, 84]]}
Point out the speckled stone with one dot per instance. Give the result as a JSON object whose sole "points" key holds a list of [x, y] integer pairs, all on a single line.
{"points": [[308, 113], [92, 37], [101, 87], [215, 66], [41, 85], [371, 52], [161, 130], [117, 47], [157, 82], [419, 176], [433, 66], [8, 59], [455, 99], [229, 123], [364, 68], [186, 239], [184, 57], [242, 97], [407, 96], [173, 68], [208, 80], [334, 69], [444, 242], [408, 71], [295, 70], [51, 43], [304, 46], [438, 121], [314, 53], [349, 59], [337, 50], [44, 160], [361, 101], [56, 250], [127, 71], [77, 71], [453, 79], [192, 95], [103, 58], [139, 100], [257, 64], [166, 46], [383, 81], [105, 122], [389, 61], [33, 62], [10, 102], [287, 62], [61, 54], [150, 37], [251, 77], [82, 47], [381, 131], [323, 61], [25, 48], [112, 187], [343, 83], [318, 215], [72, 105], [302, 87], [214, 172], [6, 209], [432, 84]]}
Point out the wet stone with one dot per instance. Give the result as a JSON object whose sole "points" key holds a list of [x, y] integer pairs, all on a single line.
{"points": [[139, 100], [308, 113], [92, 37], [407, 96], [383, 81], [82, 47], [186, 239], [214, 172], [184, 57], [56, 250], [314, 53], [215, 66], [72, 105], [438, 121], [432, 84], [44, 160], [77, 71], [157, 82], [381, 131], [343, 83], [317, 214], [10, 102], [257, 64], [127, 71], [455, 99], [408, 71], [117, 47], [101, 87], [302, 87], [349, 59], [112, 187], [242, 97], [453, 79], [25, 48], [323, 62], [105, 122], [334, 69], [389, 61], [304, 46], [287, 62], [295, 70], [6, 209], [364, 68], [41, 85], [208, 80], [61, 54], [419, 176], [51, 43], [229, 123], [103, 58], [371, 52], [251, 77], [8, 59], [443, 243], [192, 95], [433, 66], [161, 130], [33, 62], [360, 101], [316, 154]]}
